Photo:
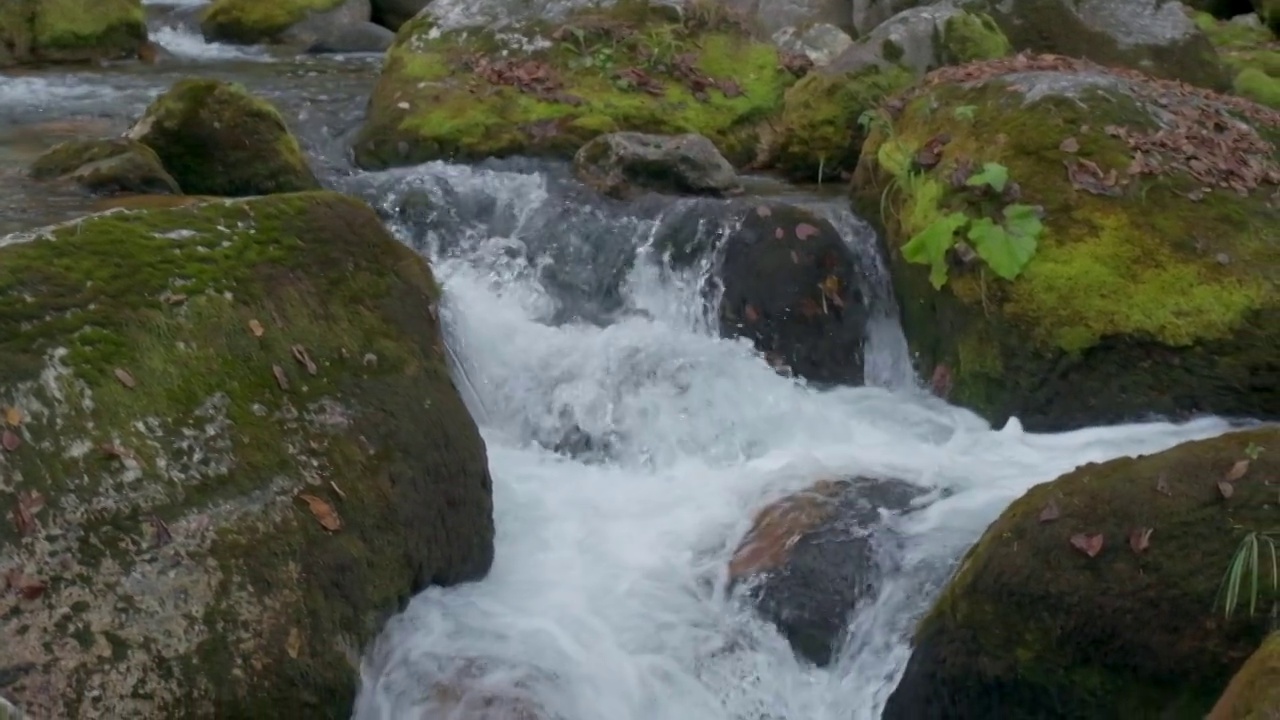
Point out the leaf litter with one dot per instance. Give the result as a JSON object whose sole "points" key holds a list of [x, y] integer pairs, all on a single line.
{"points": [[1203, 133]]}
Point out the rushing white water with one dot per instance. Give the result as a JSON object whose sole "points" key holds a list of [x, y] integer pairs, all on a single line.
{"points": [[191, 45], [607, 598]]}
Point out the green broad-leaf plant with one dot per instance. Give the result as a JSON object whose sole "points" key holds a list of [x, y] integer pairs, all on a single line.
{"points": [[1004, 236]]}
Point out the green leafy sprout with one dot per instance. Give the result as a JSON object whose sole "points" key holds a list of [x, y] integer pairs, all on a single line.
{"points": [[1006, 239], [1242, 580]]}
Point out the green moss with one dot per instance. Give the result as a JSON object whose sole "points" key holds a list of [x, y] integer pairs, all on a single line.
{"points": [[819, 133], [108, 28], [1254, 692], [215, 138], [428, 104], [967, 37], [1146, 267], [42, 31], [253, 21], [1028, 622], [1258, 86], [319, 273]]}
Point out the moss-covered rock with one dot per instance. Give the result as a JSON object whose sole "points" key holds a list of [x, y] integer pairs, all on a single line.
{"points": [[70, 31], [1254, 692], [1154, 36], [622, 165], [1269, 12], [215, 138], [821, 128], [106, 166], [254, 21], [234, 449], [1031, 626], [819, 133], [1145, 264], [547, 90], [1251, 54]]}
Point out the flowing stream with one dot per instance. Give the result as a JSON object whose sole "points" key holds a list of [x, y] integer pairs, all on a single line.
{"points": [[629, 445]]}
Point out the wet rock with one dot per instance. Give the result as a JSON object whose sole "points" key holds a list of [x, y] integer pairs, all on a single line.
{"points": [[791, 287], [811, 558], [1083, 329], [1254, 691], [547, 85], [108, 166], [1031, 625], [213, 491], [624, 164], [66, 31], [361, 37], [215, 138], [394, 13]]}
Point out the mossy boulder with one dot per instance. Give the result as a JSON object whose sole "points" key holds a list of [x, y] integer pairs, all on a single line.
{"points": [[544, 88], [215, 138], [1032, 626], [105, 166], [1250, 52], [1133, 263], [1254, 692], [233, 449], [254, 21], [1154, 36], [821, 129], [70, 31]]}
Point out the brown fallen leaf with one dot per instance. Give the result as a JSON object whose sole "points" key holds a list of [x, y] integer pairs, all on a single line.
{"points": [[125, 378], [21, 584], [1226, 488], [32, 500], [1140, 539], [804, 231], [10, 440], [12, 416], [763, 211], [174, 299], [1050, 512], [941, 381], [1237, 471], [304, 359], [293, 645], [750, 313], [323, 512], [1069, 145], [256, 328], [1090, 545], [162, 535], [1162, 486], [281, 379], [778, 234]]}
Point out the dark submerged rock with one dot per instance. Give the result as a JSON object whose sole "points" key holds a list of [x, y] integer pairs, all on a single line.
{"points": [[790, 286], [810, 559]]}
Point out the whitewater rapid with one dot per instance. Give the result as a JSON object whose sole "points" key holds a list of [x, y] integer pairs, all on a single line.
{"points": [[607, 598]]}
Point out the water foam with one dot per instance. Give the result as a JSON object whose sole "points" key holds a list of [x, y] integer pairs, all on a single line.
{"points": [[607, 597]]}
